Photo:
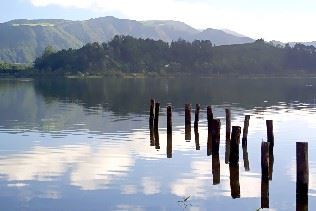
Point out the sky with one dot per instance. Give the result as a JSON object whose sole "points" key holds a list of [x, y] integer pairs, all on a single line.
{"points": [[282, 20]]}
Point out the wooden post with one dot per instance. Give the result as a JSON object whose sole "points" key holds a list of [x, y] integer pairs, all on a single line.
{"points": [[228, 123], [216, 169], [265, 160], [270, 136], [156, 121], [234, 180], [216, 128], [169, 131], [197, 114], [234, 145], [151, 122], [265, 163], [245, 130], [151, 112], [264, 193], [187, 121], [197, 138], [157, 108], [245, 158], [209, 119], [301, 202], [209, 130], [302, 168], [169, 119]]}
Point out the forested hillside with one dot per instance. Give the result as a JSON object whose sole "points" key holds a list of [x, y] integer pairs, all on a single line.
{"points": [[126, 54]]}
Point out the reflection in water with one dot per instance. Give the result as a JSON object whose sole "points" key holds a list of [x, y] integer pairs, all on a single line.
{"points": [[78, 135], [271, 163], [169, 145], [227, 151], [91, 169], [234, 180], [197, 138], [245, 158], [209, 145], [216, 169]]}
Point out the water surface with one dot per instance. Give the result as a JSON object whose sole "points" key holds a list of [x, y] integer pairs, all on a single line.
{"points": [[69, 144]]}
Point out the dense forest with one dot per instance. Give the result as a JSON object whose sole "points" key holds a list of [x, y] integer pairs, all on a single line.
{"points": [[125, 54]]}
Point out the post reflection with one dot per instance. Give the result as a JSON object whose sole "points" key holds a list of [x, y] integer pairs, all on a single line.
{"points": [[156, 135], [234, 180], [197, 138], [271, 162], [245, 158], [169, 145], [227, 151], [209, 145], [216, 170]]}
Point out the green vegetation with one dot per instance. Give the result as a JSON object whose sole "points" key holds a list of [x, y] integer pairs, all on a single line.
{"points": [[125, 54], [18, 70]]}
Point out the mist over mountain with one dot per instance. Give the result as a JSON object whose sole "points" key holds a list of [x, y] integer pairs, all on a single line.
{"points": [[21, 41]]}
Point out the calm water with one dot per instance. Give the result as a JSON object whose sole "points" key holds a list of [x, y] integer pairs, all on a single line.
{"points": [[85, 144]]}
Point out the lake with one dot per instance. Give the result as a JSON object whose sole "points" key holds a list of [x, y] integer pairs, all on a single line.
{"points": [[71, 144]]}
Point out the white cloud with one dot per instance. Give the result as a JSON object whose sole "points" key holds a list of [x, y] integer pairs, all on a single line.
{"points": [[269, 20]]}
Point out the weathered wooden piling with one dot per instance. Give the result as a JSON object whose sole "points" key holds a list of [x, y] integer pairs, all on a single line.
{"points": [[151, 122], [156, 119], [301, 202], [187, 121], [245, 130], [264, 194], [234, 145], [156, 122], [169, 119], [245, 158], [216, 169], [209, 113], [265, 160], [151, 112], [215, 130], [302, 168], [197, 138], [209, 129], [228, 123], [270, 136], [234, 180], [197, 116]]}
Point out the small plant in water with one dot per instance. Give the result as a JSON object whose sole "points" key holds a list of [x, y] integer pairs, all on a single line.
{"points": [[185, 202]]}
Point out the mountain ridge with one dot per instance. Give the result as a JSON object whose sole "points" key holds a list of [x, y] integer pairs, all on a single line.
{"points": [[22, 40]]}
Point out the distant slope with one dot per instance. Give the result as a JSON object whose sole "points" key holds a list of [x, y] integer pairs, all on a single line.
{"points": [[21, 41]]}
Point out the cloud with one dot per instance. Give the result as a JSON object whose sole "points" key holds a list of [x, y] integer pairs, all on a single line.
{"points": [[259, 19]]}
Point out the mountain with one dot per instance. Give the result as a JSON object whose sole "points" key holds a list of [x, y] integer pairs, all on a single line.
{"points": [[21, 41]]}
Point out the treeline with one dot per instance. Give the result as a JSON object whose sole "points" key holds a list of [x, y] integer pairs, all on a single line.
{"points": [[126, 54]]}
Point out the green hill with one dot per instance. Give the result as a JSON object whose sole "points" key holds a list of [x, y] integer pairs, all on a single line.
{"points": [[21, 41]]}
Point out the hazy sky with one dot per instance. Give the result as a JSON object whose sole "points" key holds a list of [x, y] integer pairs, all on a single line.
{"points": [[284, 20]]}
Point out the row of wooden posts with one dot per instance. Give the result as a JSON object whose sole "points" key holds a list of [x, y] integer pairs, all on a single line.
{"points": [[232, 150]]}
